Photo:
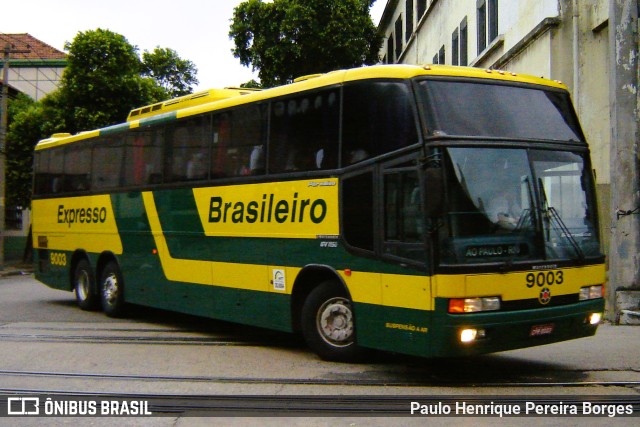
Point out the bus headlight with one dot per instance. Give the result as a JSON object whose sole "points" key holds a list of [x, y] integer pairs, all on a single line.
{"points": [[474, 305], [590, 292]]}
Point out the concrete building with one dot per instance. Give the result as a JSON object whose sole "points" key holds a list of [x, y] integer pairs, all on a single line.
{"points": [[590, 45], [37, 72]]}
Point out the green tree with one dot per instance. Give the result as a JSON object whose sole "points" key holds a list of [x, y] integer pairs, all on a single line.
{"points": [[285, 39], [175, 75], [29, 121], [103, 81]]}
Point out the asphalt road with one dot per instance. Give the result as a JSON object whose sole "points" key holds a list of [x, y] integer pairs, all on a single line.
{"points": [[48, 344]]}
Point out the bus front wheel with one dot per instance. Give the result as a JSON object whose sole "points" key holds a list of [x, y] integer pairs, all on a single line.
{"points": [[84, 286], [328, 323], [112, 291]]}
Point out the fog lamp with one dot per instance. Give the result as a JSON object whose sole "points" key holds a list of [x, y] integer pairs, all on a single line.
{"points": [[594, 318], [468, 335]]}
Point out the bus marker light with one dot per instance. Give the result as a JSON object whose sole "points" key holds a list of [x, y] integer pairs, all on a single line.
{"points": [[347, 272], [154, 251]]}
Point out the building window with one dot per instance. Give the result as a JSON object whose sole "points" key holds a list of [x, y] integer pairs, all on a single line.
{"points": [[398, 38], [487, 23], [463, 43], [441, 58], [482, 25], [390, 57], [435, 59], [422, 8], [454, 48], [409, 12], [493, 20]]}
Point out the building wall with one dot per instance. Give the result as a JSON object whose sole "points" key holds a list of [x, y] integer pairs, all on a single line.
{"points": [[35, 79], [534, 37]]}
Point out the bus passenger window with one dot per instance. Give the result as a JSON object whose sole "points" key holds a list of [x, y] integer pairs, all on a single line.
{"points": [[143, 157], [77, 167], [48, 170], [304, 132], [107, 162], [245, 156], [189, 145], [221, 131], [357, 211], [378, 118]]}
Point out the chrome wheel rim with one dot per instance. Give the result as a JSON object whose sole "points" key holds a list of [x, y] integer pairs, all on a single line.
{"points": [[111, 289], [82, 285], [335, 322]]}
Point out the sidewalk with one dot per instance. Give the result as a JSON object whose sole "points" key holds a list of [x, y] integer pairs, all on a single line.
{"points": [[15, 268]]}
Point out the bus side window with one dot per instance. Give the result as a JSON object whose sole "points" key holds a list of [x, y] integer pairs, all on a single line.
{"points": [[189, 147], [403, 218], [143, 157], [43, 181], [245, 156], [107, 162], [77, 167], [56, 172], [377, 118], [304, 132], [221, 140], [357, 211]]}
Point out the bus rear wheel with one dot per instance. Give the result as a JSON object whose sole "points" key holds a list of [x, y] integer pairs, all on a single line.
{"points": [[328, 324], [112, 291], [84, 286]]}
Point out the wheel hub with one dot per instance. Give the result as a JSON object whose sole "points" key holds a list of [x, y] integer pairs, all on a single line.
{"points": [[335, 322]]}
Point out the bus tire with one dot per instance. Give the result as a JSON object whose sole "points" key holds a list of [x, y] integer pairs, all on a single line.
{"points": [[112, 291], [84, 286], [328, 323]]}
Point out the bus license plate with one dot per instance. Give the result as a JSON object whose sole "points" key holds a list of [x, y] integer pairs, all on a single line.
{"points": [[538, 330]]}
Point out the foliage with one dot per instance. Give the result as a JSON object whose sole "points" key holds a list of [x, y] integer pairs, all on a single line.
{"points": [[251, 84], [104, 79], [175, 75], [29, 121], [285, 39]]}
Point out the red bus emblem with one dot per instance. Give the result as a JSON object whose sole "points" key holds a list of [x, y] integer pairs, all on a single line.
{"points": [[545, 296]]}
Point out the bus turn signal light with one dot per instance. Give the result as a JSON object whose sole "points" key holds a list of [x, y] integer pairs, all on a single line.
{"points": [[591, 292], [473, 305]]}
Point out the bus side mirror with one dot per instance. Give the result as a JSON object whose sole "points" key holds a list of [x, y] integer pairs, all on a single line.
{"points": [[434, 191]]}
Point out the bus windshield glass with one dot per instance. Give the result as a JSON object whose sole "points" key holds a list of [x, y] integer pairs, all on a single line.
{"points": [[507, 205], [492, 110]]}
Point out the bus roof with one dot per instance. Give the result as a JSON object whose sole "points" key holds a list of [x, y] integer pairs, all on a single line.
{"points": [[216, 99]]}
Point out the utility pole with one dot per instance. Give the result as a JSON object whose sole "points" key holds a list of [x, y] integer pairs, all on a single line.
{"points": [[4, 103]]}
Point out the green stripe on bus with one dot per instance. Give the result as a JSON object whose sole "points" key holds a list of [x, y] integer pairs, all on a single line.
{"points": [[114, 129]]}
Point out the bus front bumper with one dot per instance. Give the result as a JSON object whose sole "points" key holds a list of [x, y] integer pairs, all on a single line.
{"points": [[499, 331]]}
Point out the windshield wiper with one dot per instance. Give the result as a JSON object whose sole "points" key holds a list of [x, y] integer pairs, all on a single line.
{"points": [[551, 212]]}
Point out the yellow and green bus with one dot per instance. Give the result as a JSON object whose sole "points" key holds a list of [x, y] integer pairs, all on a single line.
{"points": [[427, 210]]}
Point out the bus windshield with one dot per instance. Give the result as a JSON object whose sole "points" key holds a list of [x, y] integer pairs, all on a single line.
{"points": [[490, 110], [516, 205]]}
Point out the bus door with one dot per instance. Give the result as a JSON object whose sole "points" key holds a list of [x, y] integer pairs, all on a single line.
{"points": [[406, 288]]}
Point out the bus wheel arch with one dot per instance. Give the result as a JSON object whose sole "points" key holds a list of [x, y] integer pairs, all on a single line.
{"points": [[309, 278], [324, 310], [83, 282]]}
